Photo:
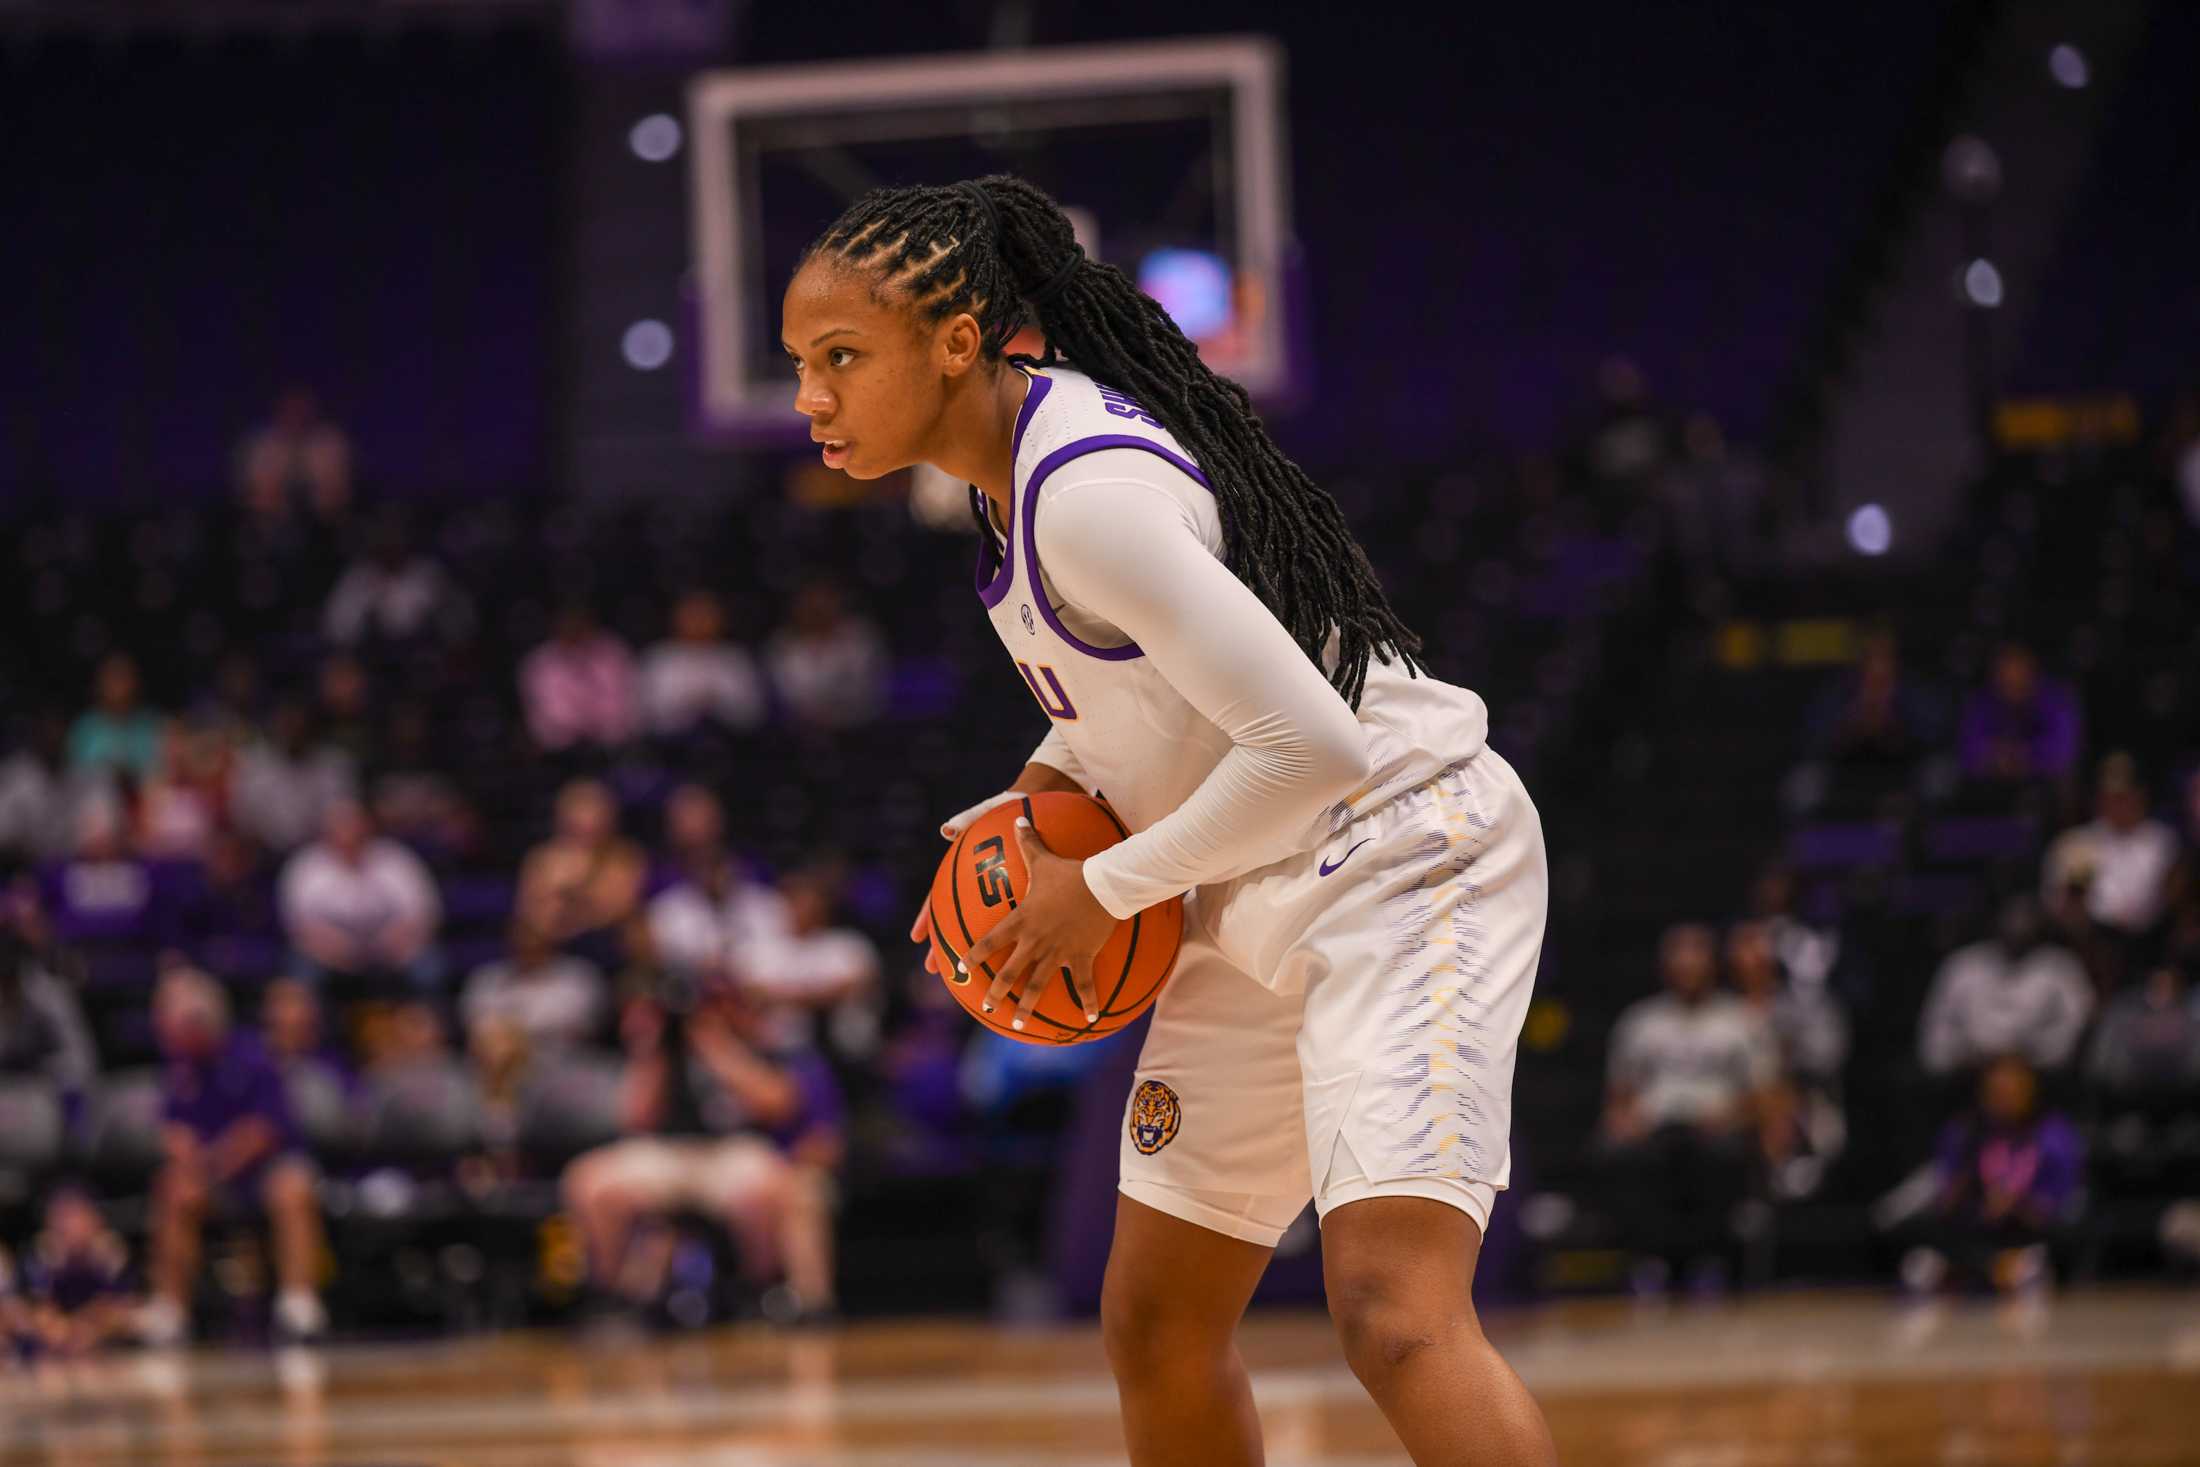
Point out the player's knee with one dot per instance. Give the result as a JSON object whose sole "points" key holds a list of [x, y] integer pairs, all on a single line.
{"points": [[1384, 1323], [1150, 1330]]}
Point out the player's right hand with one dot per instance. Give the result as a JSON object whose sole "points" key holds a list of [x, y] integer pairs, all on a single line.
{"points": [[920, 931]]}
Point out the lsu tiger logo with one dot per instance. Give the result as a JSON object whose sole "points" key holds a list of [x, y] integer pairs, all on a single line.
{"points": [[1155, 1115]]}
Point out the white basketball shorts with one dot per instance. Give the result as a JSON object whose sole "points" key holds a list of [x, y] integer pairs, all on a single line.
{"points": [[1376, 1059]]}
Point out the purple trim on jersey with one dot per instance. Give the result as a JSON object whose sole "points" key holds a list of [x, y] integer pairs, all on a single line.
{"points": [[1078, 449], [1003, 573]]}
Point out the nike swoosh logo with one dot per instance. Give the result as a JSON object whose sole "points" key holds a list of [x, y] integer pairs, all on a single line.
{"points": [[1329, 866]]}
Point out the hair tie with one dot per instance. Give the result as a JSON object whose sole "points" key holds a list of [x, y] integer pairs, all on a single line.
{"points": [[1047, 289], [985, 207]]}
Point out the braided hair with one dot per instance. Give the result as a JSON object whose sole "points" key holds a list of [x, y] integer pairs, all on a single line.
{"points": [[1002, 250]]}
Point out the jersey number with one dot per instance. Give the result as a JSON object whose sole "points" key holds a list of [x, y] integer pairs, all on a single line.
{"points": [[1057, 706], [992, 872]]}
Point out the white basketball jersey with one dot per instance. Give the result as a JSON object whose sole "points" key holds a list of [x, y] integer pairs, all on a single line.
{"points": [[1144, 747]]}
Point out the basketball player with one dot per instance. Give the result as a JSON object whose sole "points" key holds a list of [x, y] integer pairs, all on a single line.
{"points": [[1365, 878]]}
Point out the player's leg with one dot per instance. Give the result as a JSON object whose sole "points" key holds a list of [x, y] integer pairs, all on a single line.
{"points": [[1169, 1311], [1213, 1169], [1418, 980], [1399, 1272]]}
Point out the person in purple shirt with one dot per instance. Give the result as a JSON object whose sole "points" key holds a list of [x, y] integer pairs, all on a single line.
{"points": [[76, 1279], [228, 1136], [2009, 1175], [2022, 725]]}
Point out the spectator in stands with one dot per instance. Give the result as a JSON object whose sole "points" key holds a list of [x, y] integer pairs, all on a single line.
{"points": [[299, 455], [233, 903], [346, 713], [229, 1141], [76, 1283], [555, 999], [696, 680], [501, 1063], [2009, 1180], [117, 733], [394, 598], [1803, 1126], [2147, 1045], [287, 780], [2023, 726], [185, 799], [1629, 440], [749, 1136], [578, 688], [42, 1029], [828, 665], [106, 895], [2018, 992], [1689, 1075], [811, 965], [1876, 717], [360, 908], [580, 886], [1808, 954], [39, 798], [414, 798], [317, 1082], [712, 911], [235, 706], [2111, 876]]}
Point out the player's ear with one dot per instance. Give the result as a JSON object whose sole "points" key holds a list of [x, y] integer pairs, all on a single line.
{"points": [[957, 343]]}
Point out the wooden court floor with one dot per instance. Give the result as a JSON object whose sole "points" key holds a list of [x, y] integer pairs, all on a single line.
{"points": [[2095, 1378]]}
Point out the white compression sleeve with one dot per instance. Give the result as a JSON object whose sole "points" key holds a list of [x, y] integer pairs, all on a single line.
{"points": [[1120, 544]]}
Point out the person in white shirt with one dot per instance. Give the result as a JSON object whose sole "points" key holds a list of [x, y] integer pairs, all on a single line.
{"points": [[828, 664], [2116, 868], [360, 908], [701, 923], [697, 680], [1690, 1092], [555, 999], [286, 782], [1213, 652], [393, 594], [2015, 993]]}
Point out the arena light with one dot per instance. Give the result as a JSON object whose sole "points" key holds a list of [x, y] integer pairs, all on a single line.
{"points": [[1871, 532], [2067, 65], [647, 345], [1982, 284], [656, 138]]}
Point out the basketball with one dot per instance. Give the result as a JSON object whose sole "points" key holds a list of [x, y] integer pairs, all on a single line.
{"points": [[981, 880]]}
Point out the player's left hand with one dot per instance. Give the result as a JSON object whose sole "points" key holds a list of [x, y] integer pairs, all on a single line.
{"points": [[1059, 927]]}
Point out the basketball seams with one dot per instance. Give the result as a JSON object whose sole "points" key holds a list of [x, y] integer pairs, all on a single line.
{"points": [[1060, 1032]]}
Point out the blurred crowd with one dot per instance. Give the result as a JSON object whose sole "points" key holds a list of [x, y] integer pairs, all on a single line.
{"points": [[2055, 1054], [494, 909]]}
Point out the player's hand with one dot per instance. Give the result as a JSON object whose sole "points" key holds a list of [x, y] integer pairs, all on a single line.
{"points": [[920, 931], [1058, 929]]}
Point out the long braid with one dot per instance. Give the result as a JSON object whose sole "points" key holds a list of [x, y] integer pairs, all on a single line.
{"points": [[988, 247]]}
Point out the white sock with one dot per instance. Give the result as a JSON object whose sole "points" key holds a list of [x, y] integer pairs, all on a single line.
{"points": [[300, 1312]]}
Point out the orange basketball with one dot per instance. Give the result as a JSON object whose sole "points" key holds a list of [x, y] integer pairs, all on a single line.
{"points": [[981, 880]]}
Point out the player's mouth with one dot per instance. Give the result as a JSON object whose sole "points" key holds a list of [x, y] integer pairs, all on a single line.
{"points": [[835, 451]]}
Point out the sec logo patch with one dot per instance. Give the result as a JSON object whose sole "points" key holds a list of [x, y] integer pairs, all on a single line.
{"points": [[1155, 1115]]}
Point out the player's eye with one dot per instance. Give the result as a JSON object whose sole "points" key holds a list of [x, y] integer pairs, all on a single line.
{"points": [[834, 356]]}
